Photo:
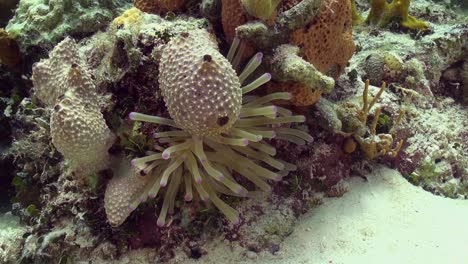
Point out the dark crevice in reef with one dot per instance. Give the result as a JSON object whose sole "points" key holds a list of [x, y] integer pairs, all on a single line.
{"points": [[6, 188]]}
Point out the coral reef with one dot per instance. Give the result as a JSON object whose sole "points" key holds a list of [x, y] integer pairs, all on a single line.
{"points": [[464, 76], [440, 177], [436, 155], [10, 54], [215, 118], [116, 55], [11, 232], [196, 144], [159, 6], [424, 60], [44, 23]]}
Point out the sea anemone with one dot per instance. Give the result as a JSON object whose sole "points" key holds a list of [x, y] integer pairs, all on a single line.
{"points": [[217, 132]]}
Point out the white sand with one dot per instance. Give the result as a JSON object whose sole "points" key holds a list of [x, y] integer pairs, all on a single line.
{"points": [[384, 220]]}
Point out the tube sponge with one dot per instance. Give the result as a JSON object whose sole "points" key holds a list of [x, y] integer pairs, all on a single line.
{"points": [[194, 69], [80, 133], [78, 128], [64, 70]]}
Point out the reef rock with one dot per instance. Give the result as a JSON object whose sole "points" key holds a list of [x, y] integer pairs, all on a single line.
{"points": [[43, 23]]}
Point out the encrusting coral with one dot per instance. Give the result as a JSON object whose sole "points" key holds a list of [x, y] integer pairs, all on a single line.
{"points": [[44, 23], [10, 54], [77, 126], [216, 133], [159, 6]]}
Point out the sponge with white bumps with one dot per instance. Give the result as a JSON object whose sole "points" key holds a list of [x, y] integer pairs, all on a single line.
{"points": [[200, 87], [63, 71], [77, 126], [121, 192], [80, 133]]}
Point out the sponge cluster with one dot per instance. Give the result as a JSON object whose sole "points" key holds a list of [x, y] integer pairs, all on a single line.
{"points": [[77, 126]]}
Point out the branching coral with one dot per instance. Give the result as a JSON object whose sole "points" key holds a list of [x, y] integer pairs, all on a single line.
{"points": [[349, 118], [217, 132], [374, 145]]}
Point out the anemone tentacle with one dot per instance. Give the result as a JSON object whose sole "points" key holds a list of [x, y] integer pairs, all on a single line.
{"points": [[207, 152]]}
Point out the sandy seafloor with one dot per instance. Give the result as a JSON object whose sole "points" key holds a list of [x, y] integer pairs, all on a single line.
{"points": [[382, 220]]}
